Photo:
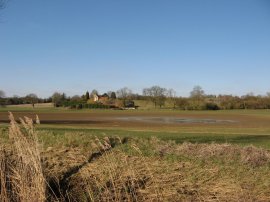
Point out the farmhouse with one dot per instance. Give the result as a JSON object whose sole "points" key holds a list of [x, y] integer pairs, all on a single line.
{"points": [[113, 103], [101, 98]]}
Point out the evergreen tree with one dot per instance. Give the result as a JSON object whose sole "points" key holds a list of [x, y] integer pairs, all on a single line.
{"points": [[87, 95], [113, 95]]}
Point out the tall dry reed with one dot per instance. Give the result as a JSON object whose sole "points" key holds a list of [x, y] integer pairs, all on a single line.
{"points": [[21, 172]]}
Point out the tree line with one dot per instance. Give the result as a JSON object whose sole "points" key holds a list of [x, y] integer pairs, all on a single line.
{"points": [[160, 97]]}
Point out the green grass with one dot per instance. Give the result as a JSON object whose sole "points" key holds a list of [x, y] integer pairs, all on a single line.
{"points": [[240, 139], [26, 109]]}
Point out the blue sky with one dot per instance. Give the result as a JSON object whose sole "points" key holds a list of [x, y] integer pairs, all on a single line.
{"points": [[74, 46]]}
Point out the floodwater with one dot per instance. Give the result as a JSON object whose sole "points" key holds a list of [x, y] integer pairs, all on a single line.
{"points": [[173, 120]]}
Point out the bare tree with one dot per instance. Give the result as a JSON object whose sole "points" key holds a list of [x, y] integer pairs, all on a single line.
{"points": [[32, 99], [156, 94], [171, 94], [3, 4], [197, 92], [56, 98], [124, 93], [197, 97]]}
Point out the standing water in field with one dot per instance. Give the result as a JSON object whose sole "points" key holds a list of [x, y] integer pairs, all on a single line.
{"points": [[174, 120]]}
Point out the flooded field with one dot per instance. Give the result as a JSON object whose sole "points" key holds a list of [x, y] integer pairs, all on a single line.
{"points": [[174, 120], [253, 122]]}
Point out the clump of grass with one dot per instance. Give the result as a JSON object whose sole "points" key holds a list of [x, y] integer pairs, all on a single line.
{"points": [[255, 156], [115, 176], [248, 155], [21, 172]]}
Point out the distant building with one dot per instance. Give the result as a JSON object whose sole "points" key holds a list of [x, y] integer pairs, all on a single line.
{"points": [[95, 97], [101, 98]]}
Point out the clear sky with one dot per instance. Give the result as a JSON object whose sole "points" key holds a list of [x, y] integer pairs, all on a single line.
{"points": [[74, 46]]}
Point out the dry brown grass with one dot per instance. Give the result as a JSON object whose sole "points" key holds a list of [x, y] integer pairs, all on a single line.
{"points": [[118, 175], [115, 176], [21, 172], [249, 155], [4, 178]]}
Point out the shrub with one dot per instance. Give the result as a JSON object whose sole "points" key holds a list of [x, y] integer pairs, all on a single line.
{"points": [[79, 106], [211, 106]]}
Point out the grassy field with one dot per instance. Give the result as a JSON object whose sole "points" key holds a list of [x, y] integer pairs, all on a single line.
{"points": [[248, 126], [104, 155]]}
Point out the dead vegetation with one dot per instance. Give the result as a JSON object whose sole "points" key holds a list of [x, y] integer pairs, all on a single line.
{"points": [[21, 172], [129, 169], [248, 155]]}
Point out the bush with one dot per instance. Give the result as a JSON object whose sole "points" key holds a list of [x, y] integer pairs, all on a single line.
{"points": [[211, 106], [79, 106]]}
